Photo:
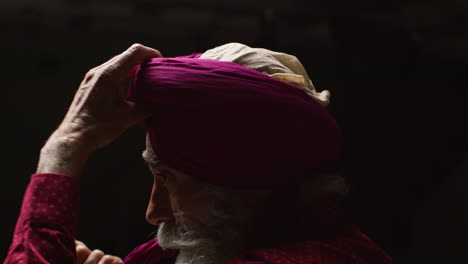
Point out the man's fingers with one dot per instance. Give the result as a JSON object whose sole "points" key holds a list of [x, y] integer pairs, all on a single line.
{"points": [[107, 259], [79, 243], [126, 62], [94, 257], [82, 252], [85, 256]]}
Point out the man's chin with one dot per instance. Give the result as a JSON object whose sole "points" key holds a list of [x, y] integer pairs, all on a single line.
{"points": [[173, 235], [197, 245]]}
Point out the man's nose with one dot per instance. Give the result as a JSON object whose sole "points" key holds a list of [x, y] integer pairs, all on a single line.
{"points": [[159, 207]]}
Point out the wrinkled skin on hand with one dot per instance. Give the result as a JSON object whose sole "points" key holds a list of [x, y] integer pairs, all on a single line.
{"points": [[98, 114]]}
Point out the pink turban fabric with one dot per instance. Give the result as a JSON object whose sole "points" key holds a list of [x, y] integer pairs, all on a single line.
{"points": [[232, 126]]}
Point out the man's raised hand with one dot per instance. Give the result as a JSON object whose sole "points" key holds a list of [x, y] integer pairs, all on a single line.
{"points": [[97, 115], [99, 112]]}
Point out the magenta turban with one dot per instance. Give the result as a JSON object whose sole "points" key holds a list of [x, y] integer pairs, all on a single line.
{"points": [[232, 126]]}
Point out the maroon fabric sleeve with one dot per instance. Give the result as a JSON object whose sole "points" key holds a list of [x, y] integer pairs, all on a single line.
{"points": [[47, 223]]}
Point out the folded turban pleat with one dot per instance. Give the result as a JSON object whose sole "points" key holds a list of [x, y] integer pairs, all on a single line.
{"points": [[232, 126]]}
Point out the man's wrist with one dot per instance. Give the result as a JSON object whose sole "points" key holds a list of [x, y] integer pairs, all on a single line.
{"points": [[64, 154]]}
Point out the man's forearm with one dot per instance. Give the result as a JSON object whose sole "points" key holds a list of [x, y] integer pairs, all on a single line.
{"points": [[63, 154]]}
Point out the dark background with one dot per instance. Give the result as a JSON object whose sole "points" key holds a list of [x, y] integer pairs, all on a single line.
{"points": [[396, 70]]}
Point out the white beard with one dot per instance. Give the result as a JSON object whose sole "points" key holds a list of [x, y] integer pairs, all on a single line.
{"points": [[192, 248], [212, 237]]}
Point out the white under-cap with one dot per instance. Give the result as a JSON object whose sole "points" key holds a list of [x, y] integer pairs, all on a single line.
{"points": [[280, 66]]}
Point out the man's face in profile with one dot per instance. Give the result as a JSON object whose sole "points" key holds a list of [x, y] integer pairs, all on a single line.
{"points": [[182, 206], [207, 223]]}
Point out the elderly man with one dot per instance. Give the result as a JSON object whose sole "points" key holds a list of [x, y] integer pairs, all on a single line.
{"points": [[237, 140]]}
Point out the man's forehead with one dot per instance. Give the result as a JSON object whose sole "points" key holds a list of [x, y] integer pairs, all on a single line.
{"points": [[149, 155], [147, 141], [149, 149]]}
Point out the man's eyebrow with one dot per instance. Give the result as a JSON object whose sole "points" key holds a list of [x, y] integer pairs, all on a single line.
{"points": [[151, 159]]}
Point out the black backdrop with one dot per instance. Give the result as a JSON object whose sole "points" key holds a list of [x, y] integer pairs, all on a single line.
{"points": [[395, 70]]}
